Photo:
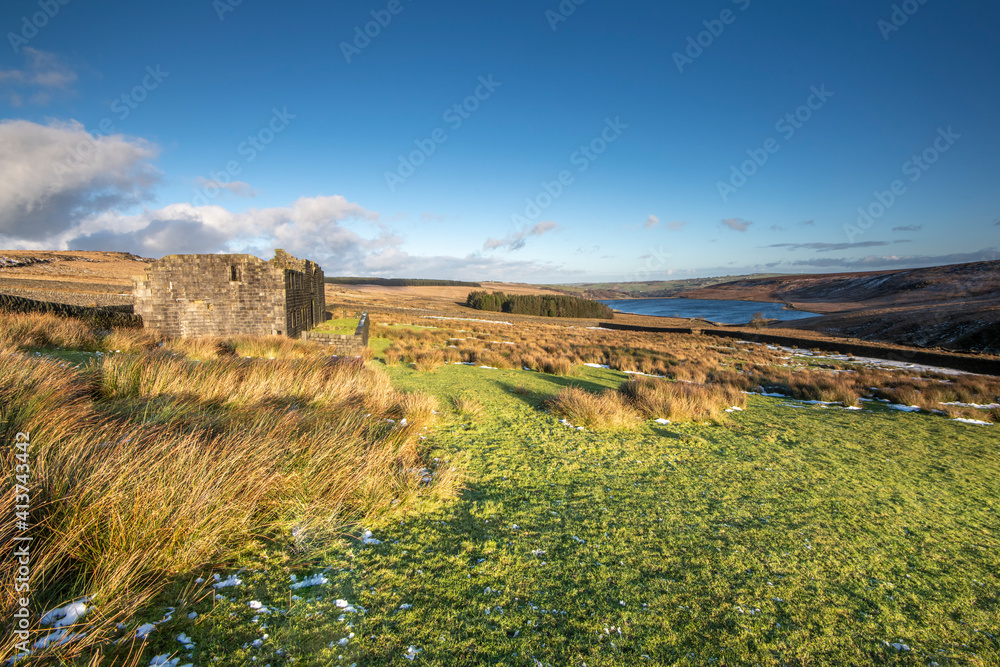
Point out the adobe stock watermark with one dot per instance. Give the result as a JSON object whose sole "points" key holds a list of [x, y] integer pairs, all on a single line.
{"points": [[696, 44], [562, 13], [22, 541], [123, 106], [656, 262], [787, 125], [249, 149], [914, 168], [363, 35], [31, 25], [223, 7], [581, 158], [899, 17], [454, 116]]}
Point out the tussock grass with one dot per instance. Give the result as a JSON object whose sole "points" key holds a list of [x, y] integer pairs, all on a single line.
{"points": [[810, 385], [557, 366], [417, 408], [655, 398], [146, 466], [271, 347], [29, 330], [467, 407], [606, 410], [702, 360], [428, 361]]}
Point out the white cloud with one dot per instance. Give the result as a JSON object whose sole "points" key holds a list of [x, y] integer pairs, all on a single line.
{"points": [[737, 224], [651, 222], [54, 176], [517, 240], [310, 227], [63, 188], [238, 188], [396, 263], [42, 70]]}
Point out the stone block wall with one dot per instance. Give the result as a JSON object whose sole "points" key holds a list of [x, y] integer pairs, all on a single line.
{"points": [[343, 345], [104, 317], [305, 293], [227, 295]]}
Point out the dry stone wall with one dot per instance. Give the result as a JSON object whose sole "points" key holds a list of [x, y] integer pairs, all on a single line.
{"points": [[107, 317], [343, 345]]}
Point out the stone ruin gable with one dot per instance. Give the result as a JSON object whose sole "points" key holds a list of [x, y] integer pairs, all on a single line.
{"points": [[305, 302], [227, 295]]}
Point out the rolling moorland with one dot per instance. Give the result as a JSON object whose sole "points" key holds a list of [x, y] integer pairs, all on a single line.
{"points": [[955, 307], [491, 488]]}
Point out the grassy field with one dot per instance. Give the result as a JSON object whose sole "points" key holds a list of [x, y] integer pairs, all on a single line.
{"points": [[785, 534], [345, 326], [150, 459]]}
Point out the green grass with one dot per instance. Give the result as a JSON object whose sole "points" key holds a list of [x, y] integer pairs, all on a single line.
{"points": [[784, 536], [343, 326]]}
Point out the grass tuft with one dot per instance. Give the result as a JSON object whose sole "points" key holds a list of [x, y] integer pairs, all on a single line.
{"points": [[467, 407], [607, 410], [656, 398]]}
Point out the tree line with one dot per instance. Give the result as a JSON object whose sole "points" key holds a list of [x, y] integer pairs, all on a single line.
{"points": [[545, 305]]}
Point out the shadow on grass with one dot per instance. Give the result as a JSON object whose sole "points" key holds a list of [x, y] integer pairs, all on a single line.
{"points": [[535, 397]]}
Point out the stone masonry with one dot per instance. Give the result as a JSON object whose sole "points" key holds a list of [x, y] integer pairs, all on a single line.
{"points": [[227, 295], [343, 345]]}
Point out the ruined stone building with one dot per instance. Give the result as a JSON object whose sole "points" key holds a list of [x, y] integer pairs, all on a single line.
{"points": [[227, 295]]}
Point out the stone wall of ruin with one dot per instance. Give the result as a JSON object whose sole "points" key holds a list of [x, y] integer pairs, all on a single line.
{"points": [[212, 295]]}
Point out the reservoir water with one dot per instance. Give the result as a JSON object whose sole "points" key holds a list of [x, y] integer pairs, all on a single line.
{"points": [[723, 312]]}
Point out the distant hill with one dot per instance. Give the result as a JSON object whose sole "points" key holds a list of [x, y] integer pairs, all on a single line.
{"points": [[892, 287], [955, 306], [649, 289]]}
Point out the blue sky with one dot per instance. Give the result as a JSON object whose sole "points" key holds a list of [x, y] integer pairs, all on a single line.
{"points": [[591, 141]]}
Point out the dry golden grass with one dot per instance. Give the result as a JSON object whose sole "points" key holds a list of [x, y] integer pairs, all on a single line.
{"points": [[703, 360], [149, 465], [417, 408], [556, 365], [655, 398], [467, 407], [607, 410], [28, 330], [428, 361], [271, 347]]}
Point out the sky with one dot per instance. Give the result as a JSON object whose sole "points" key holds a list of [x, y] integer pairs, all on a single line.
{"points": [[546, 141]]}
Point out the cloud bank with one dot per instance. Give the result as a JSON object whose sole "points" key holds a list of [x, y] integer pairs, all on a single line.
{"points": [[517, 240], [53, 177], [829, 247], [63, 188]]}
